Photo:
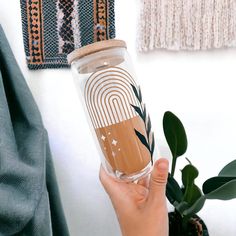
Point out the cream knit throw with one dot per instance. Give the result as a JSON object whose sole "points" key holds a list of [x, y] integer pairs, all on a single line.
{"points": [[187, 24]]}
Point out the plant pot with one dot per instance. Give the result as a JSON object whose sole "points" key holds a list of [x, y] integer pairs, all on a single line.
{"points": [[195, 226]]}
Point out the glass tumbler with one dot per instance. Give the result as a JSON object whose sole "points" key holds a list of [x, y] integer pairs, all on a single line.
{"points": [[106, 82]]}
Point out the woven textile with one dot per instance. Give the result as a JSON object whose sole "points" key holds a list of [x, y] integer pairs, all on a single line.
{"points": [[187, 24], [54, 28]]}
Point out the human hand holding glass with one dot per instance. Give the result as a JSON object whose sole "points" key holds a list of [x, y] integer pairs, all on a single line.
{"points": [[140, 208]]}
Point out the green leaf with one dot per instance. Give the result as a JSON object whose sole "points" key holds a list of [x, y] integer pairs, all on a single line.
{"points": [[225, 192], [138, 110], [195, 208], [142, 139], [175, 136], [192, 193], [173, 191], [215, 183], [189, 174], [229, 170]]}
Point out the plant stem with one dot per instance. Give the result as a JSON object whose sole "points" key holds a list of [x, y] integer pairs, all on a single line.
{"points": [[185, 223], [173, 167], [174, 159]]}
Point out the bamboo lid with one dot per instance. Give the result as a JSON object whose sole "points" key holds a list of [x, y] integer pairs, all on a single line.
{"points": [[95, 47]]}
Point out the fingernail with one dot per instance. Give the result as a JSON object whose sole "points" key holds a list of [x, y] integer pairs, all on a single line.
{"points": [[163, 164]]}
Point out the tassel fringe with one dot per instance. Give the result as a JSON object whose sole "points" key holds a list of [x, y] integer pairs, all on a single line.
{"points": [[187, 24]]}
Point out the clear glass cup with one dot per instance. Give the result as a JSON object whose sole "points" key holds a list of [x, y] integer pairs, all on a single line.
{"points": [[112, 99]]}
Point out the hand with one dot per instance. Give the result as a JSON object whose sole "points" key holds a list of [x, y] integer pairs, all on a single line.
{"points": [[140, 208]]}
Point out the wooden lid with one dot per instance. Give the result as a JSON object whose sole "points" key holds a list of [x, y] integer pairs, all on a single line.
{"points": [[95, 47]]}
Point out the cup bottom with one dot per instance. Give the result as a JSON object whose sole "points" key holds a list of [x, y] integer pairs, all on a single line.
{"points": [[134, 176]]}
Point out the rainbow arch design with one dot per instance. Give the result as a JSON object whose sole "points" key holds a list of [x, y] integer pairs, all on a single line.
{"points": [[108, 95]]}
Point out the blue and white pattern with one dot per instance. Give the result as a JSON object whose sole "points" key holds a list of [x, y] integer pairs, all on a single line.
{"points": [[60, 26]]}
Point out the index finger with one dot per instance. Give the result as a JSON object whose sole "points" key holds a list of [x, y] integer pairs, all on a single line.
{"points": [[109, 183]]}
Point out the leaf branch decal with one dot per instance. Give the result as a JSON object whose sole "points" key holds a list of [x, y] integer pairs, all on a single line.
{"points": [[142, 139], [135, 92], [148, 142], [149, 126], [152, 145], [140, 95], [144, 113], [139, 111]]}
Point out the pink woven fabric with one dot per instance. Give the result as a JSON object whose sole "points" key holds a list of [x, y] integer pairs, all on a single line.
{"points": [[187, 24]]}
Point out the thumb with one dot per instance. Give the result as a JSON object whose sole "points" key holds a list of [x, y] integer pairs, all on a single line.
{"points": [[158, 181]]}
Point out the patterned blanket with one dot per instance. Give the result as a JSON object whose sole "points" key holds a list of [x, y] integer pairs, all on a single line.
{"points": [[54, 28]]}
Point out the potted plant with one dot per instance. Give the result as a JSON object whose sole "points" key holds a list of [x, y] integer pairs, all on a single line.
{"points": [[188, 199]]}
